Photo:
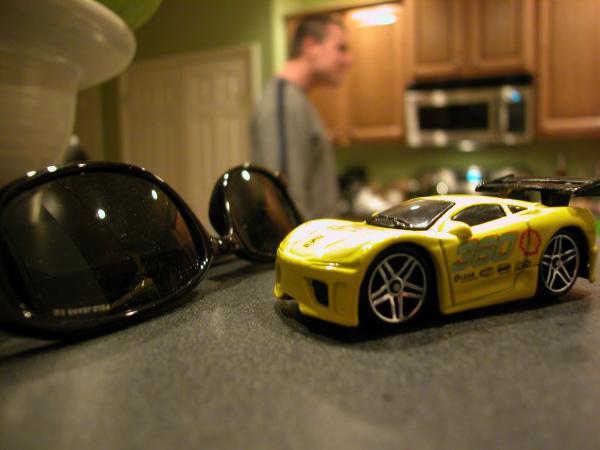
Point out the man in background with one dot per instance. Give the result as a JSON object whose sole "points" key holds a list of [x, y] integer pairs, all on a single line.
{"points": [[287, 133]]}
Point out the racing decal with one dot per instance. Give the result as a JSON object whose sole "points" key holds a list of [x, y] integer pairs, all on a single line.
{"points": [[530, 242], [503, 268], [348, 228], [465, 277], [487, 271], [313, 240], [491, 249], [520, 265]]}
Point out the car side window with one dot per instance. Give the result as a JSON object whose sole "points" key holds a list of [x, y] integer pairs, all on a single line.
{"points": [[515, 209], [476, 215]]}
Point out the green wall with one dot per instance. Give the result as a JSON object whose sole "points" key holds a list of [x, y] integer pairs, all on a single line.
{"points": [[189, 25], [385, 163]]}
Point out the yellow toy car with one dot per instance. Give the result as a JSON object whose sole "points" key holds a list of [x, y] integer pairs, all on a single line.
{"points": [[455, 251]]}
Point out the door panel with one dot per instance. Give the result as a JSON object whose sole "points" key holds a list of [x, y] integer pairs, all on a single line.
{"points": [[502, 36], [569, 42], [488, 262], [436, 44], [185, 117]]}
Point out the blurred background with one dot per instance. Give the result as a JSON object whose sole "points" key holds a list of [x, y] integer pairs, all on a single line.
{"points": [[182, 107]]}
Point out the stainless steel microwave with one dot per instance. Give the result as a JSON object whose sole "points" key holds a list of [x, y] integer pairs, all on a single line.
{"points": [[468, 113]]}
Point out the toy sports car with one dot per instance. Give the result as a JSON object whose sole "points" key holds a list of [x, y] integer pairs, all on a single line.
{"points": [[455, 251]]}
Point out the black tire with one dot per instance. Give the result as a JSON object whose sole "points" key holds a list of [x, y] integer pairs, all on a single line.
{"points": [[559, 265], [396, 287]]}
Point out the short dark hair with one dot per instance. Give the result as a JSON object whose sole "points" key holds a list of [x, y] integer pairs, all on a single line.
{"points": [[314, 26]]}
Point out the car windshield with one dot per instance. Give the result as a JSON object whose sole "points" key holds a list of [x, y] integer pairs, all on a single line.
{"points": [[418, 214]]}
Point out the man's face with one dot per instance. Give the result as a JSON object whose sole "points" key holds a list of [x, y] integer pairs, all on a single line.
{"points": [[331, 57]]}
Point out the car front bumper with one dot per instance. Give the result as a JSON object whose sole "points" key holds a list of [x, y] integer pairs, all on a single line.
{"points": [[327, 291]]}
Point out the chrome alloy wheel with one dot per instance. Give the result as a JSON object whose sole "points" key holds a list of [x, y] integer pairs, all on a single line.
{"points": [[397, 287], [559, 264]]}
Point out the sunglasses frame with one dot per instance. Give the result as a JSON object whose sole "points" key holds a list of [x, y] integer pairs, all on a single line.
{"points": [[222, 221], [12, 285]]}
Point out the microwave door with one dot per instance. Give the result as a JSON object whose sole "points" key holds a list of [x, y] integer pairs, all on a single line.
{"points": [[516, 117], [443, 117]]}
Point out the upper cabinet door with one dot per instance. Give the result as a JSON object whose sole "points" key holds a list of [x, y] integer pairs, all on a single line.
{"points": [[376, 81], [502, 36], [467, 38], [436, 46], [569, 72]]}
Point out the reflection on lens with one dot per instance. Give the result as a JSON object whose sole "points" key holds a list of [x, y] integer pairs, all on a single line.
{"points": [[79, 260], [260, 212]]}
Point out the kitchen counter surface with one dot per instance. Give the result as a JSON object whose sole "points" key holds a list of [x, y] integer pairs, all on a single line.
{"points": [[234, 368]]}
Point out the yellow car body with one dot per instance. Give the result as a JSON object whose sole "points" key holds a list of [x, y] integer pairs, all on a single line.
{"points": [[325, 264]]}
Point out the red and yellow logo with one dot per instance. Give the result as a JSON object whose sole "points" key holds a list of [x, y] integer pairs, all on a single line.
{"points": [[530, 242]]}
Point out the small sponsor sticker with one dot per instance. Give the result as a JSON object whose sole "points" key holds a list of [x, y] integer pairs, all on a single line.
{"points": [[486, 272], [520, 265], [530, 242], [465, 277], [503, 268], [313, 240]]}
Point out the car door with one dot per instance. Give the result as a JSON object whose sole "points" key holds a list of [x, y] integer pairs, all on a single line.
{"points": [[488, 262]]}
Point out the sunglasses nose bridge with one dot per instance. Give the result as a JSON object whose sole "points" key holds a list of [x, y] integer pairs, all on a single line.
{"points": [[224, 245]]}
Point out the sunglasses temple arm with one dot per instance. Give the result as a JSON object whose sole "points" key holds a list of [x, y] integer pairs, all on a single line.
{"points": [[223, 245]]}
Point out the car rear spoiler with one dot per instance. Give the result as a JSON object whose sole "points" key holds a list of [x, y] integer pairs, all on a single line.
{"points": [[555, 191]]}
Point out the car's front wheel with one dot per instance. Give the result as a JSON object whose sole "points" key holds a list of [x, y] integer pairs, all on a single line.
{"points": [[559, 265], [396, 286]]}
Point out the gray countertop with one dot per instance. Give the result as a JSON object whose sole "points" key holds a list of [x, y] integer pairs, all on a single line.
{"points": [[234, 368]]}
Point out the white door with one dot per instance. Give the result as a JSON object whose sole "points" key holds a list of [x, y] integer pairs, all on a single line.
{"points": [[185, 118]]}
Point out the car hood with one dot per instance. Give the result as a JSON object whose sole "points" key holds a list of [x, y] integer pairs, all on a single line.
{"points": [[331, 240]]}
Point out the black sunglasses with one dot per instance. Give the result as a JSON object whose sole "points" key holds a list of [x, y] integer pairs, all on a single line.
{"points": [[91, 245]]}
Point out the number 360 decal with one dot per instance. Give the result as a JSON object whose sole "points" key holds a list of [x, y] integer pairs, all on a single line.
{"points": [[490, 249]]}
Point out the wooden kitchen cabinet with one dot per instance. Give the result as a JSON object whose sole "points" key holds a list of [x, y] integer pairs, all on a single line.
{"points": [[375, 84], [435, 41], [503, 36], [569, 68], [469, 38]]}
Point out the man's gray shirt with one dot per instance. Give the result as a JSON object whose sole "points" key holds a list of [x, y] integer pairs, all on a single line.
{"points": [[288, 136]]}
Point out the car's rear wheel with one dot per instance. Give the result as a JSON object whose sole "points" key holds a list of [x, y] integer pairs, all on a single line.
{"points": [[396, 286], [559, 265]]}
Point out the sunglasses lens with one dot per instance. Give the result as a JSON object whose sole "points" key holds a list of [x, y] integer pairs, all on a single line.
{"points": [[97, 244], [260, 211]]}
